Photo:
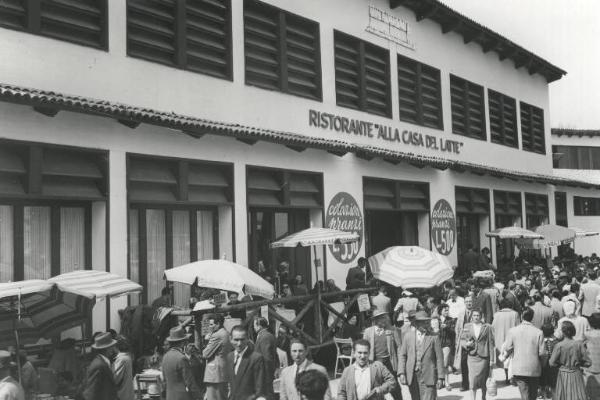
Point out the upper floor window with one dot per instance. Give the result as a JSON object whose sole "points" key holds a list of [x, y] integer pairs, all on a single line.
{"points": [[419, 93], [83, 22], [282, 51], [576, 157], [194, 35], [362, 75], [468, 109], [586, 206], [532, 128], [503, 119]]}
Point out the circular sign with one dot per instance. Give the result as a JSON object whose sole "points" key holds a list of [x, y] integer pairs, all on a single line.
{"points": [[443, 227], [343, 214]]}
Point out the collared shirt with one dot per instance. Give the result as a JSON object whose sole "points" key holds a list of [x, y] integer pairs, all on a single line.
{"points": [[420, 336], [379, 331], [362, 379], [476, 330], [301, 367], [237, 358]]}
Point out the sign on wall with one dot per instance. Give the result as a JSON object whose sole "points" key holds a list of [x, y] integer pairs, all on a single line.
{"points": [[443, 227], [343, 213]]}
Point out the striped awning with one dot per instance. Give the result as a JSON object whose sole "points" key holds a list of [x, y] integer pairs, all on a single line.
{"points": [[37, 309], [410, 267], [96, 283], [315, 237]]}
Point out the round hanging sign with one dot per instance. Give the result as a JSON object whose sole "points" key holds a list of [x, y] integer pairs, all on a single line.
{"points": [[443, 227], [343, 213]]}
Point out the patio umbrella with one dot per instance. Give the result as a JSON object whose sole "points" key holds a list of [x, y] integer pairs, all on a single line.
{"points": [[221, 274], [583, 233], [316, 237], [96, 283], [410, 267], [553, 235], [513, 232]]}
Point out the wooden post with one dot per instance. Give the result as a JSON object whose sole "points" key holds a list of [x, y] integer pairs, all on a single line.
{"points": [[319, 327]]}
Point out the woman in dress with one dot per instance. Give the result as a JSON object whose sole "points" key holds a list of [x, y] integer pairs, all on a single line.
{"points": [[592, 342], [447, 339], [569, 356], [478, 341]]}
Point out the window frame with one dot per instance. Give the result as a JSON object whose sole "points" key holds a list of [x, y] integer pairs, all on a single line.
{"points": [[502, 100], [468, 86], [579, 209], [33, 24], [419, 66], [527, 112]]}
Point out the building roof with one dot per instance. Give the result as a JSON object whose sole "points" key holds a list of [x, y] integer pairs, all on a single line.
{"points": [[583, 175], [50, 103], [575, 132], [471, 31]]}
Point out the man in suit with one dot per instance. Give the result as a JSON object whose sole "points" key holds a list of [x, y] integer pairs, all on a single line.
{"points": [[266, 345], [356, 277], [422, 360], [216, 349], [364, 380], [483, 301], [177, 370], [512, 296], [526, 342], [245, 368], [100, 383], [587, 295], [460, 356], [288, 390], [471, 261], [385, 345], [542, 314]]}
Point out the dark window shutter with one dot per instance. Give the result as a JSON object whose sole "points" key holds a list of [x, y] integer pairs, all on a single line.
{"points": [[468, 112], [261, 28], [347, 71], [13, 14], [302, 42], [269, 187], [472, 201], [386, 194], [532, 128], [503, 119], [362, 74], [419, 93], [208, 35]]}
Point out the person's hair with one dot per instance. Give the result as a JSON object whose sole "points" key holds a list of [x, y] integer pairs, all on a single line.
{"points": [[441, 307], [299, 341], [593, 275], [165, 291], [240, 328], [477, 310], [123, 344], [595, 320], [262, 322], [504, 303], [575, 287], [547, 330], [537, 296], [556, 294], [218, 318], [22, 357], [361, 342], [527, 314], [312, 384], [568, 329], [362, 262]]}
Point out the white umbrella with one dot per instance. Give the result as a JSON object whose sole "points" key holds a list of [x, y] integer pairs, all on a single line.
{"points": [[221, 274], [98, 283], [513, 232], [410, 267], [554, 235], [583, 233]]}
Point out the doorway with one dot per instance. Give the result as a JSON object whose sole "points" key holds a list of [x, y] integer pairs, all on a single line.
{"points": [[390, 228]]}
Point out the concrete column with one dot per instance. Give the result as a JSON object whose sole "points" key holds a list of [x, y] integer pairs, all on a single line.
{"points": [[241, 214]]}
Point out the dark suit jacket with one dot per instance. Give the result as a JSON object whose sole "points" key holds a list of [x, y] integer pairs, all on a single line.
{"points": [[432, 361], [179, 379], [514, 302], [355, 278], [542, 315], [483, 301], [266, 345], [100, 383], [249, 382]]}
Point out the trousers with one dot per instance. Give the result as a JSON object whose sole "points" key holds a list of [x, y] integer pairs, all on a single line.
{"points": [[528, 386], [419, 390], [397, 391], [464, 370]]}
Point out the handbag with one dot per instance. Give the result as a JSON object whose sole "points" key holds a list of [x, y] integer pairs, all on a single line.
{"points": [[492, 389]]}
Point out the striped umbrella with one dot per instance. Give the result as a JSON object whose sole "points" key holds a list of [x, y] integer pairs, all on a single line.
{"points": [[36, 309], [96, 283], [410, 267], [513, 232], [315, 237]]}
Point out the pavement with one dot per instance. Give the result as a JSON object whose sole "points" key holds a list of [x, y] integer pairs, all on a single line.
{"points": [[504, 392]]}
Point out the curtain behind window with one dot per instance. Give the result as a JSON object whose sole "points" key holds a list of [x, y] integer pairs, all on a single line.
{"points": [[72, 239], [156, 252], [36, 237], [6, 244], [205, 235], [181, 253]]}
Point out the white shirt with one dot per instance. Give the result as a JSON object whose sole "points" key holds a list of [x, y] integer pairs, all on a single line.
{"points": [[300, 368], [477, 330], [238, 356], [456, 307], [362, 379]]}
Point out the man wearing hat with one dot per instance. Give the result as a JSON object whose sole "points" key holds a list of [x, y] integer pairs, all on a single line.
{"points": [[100, 383], [176, 368], [10, 389], [421, 360], [385, 343], [405, 304]]}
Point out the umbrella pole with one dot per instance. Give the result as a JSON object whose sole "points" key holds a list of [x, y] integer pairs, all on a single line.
{"points": [[17, 334], [316, 262]]}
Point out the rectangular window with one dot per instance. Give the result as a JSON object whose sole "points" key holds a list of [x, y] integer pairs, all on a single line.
{"points": [[468, 108], [362, 75], [83, 22], [194, 35], [503, 119], [576, 157], [536, 210], [532, 128], [419, 93], [7, 259], [586, 206], [282, 51]]}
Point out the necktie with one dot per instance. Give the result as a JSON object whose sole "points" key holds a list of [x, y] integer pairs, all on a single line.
{"points": [[235, 362]]}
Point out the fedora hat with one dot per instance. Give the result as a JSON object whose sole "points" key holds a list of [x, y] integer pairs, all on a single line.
{"points": [[103, 341], [178, 334], [378, 313], [421, 316]]}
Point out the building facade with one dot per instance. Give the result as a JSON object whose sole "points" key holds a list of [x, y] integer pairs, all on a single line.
{"points": [[141, 135]]}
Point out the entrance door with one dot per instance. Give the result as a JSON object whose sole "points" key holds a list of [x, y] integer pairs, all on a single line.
{"points": [[390, 228], [269, 225], [467, 232]]}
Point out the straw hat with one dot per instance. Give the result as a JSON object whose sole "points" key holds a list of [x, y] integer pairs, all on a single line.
{"points": [[178, 334], [378, 313], [103, 341]]}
